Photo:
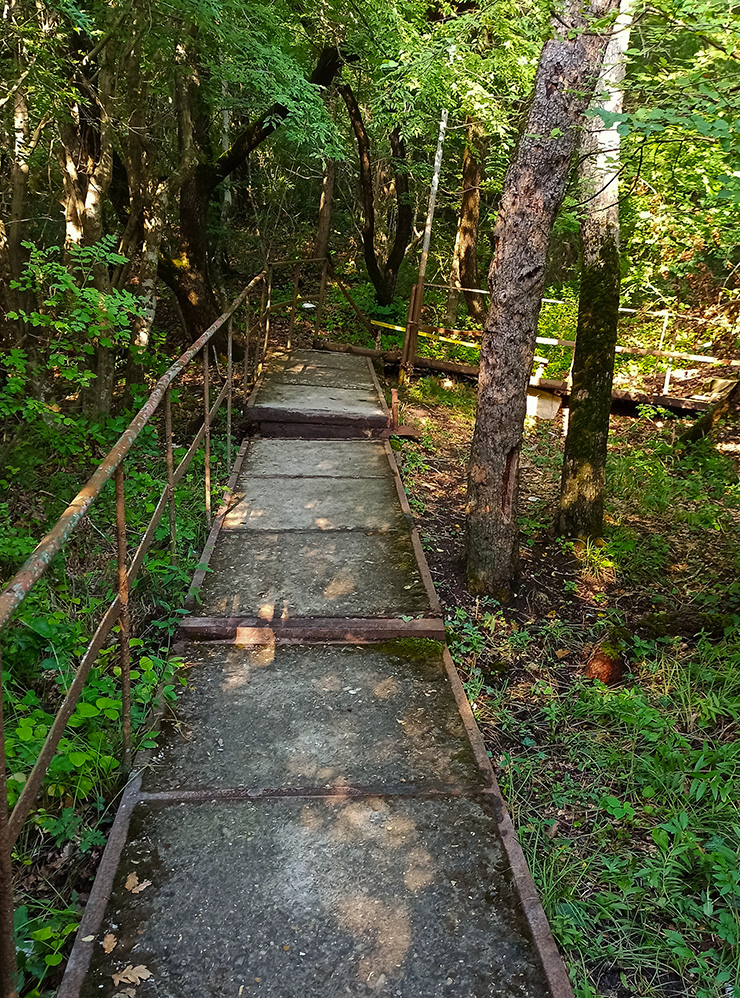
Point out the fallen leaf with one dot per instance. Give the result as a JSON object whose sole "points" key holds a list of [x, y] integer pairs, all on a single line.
{"points": [[132, 884], [109, 942], [562, 652], [87, 939], [126, 993], [131, 975]]}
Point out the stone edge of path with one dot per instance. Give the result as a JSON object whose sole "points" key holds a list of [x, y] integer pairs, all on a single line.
{"points": [[542, 938]]}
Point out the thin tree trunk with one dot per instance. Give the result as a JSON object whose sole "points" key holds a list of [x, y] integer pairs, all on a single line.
{"points": [[533, 192], [91, 146], [464, 269], [188, 274], [384, 277], [584, 463], [323, 231]]}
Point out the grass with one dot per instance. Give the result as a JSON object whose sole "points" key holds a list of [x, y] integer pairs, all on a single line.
{"points": [[625, 797]]}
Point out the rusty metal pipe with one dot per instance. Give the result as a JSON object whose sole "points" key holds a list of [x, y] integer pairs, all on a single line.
{"points": [[170, 458], [8, 965], [37, 563], [124, 617], [207, 428]]}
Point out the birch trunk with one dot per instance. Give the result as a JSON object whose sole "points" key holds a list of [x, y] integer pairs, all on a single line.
{"points": [[533, 192], [584, 463]]}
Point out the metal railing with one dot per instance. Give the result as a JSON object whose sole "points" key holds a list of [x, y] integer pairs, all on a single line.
{"points": [[118, 612], [415, 328]]}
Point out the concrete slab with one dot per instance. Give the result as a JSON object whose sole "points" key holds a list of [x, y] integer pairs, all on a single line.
{"points": [[380, 718], [327, 358], [299, 898], [292, 373], [310, 400], [326, 376], [311, 573], [308, 503], [330, 459]]}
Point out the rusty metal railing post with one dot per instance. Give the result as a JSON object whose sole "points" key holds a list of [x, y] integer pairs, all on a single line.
{"points": [[170, 475], [409, 341], [8, 965], [207, 424], [268, 310], [124, 617], [294, 302], [322, 298], [229, 371], [245, 377]]}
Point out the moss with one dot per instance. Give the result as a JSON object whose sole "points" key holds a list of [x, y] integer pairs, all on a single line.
{"points": [[413, 648], [686, 623]]}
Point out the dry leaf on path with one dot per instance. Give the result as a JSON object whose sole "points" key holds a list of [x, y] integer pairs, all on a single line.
{"points": [[132, 884], [109, 942], [131, 975], [562, 652]]}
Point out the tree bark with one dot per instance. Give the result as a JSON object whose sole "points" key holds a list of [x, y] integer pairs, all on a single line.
{"points": [[383, 277], [464, 270], [189, 273], [86, 161], [584, 463], [323, 231], [532, 194], [707, 422]]}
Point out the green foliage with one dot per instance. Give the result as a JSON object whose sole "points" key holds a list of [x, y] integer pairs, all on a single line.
{"points": [[42, 933], [642, 874], [42, 646], [73, 319]]}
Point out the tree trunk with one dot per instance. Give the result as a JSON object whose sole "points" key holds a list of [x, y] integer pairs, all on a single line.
{"points": [[584, 462], [464, 269], [382, 278], [532, 194], [323, 231], [188, 274], [86, 161], [707, 422]]}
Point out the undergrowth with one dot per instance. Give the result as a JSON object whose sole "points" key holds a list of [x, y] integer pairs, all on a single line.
{"points": [[56, 853], [625, 797], [626, 806]]}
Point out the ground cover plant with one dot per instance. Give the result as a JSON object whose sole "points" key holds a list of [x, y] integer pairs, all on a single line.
{"points": [[624, 792], [57, 852]]}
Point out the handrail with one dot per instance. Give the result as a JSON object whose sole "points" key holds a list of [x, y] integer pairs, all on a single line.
{"points": [[50, 545], [112, 466], [558, 301]]}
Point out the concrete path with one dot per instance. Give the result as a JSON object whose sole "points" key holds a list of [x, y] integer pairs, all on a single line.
{"points": [[320, 819]]}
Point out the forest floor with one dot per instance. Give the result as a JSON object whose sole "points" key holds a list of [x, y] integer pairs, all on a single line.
{"points": [[624, 793]]}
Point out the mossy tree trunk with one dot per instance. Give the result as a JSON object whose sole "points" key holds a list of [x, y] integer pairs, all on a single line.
{"points": [[584, 463], [532, 194]]}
